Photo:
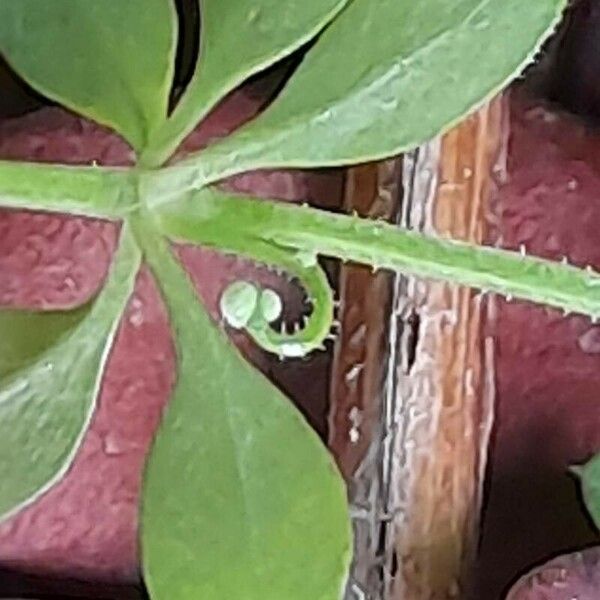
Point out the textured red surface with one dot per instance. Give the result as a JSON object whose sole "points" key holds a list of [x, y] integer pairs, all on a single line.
{"points": [[548, 366], [86, 526], [572, 577]]}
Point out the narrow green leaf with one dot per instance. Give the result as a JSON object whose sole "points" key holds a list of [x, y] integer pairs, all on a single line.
{"points": [[240, 499], [385, 76], [238, 38], [46, 406], [110, 61], [89, 191], [590, 486]]}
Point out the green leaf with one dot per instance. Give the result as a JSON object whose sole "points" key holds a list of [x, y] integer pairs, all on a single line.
{"points": [[590, 486], [239, 38], [110, 61], [385, 76], [26, 334], [240, 497], [46, 406]]}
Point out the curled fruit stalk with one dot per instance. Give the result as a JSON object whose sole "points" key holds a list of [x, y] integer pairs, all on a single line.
{"points": [[244, 306], [277, 233]]}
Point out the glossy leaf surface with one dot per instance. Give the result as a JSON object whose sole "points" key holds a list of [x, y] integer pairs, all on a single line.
{"points": [[110, 61], [45, 407], [239, 38], [241, 498], [384, 77]]}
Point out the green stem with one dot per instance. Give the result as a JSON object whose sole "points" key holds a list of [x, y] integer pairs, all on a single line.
{"points": [[219, 220], [88, 191]]}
